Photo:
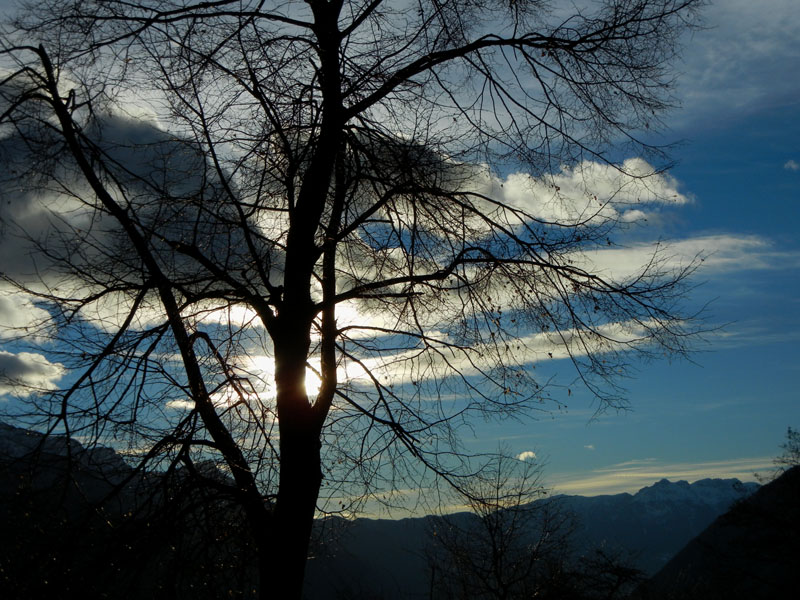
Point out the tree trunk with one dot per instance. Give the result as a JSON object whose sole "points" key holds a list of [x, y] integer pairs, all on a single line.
{"points": [[300, 480], [300, 467]]}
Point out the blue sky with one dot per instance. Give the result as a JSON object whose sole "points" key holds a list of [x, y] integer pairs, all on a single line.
{"points": [[725, 412], [739, 161]]}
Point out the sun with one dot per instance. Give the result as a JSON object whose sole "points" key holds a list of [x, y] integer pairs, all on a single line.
{"points": [[263, 367], [313, 382]]}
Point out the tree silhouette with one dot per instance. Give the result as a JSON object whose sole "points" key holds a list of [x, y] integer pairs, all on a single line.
{"points": [[790, 457], [210, 205], [513, 548], [519, 543]]}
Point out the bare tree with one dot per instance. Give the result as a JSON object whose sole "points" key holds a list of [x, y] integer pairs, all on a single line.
{"points": [[508, 546], [517, 543], [790, 457], [225, 201]]}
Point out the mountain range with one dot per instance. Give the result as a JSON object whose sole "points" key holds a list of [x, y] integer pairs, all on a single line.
{"points": [[684, 536], [382, 558], [751, 552]]}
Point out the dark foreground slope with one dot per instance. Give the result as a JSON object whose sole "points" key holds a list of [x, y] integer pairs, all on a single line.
{"points": [[79, 522], [751, 552]]}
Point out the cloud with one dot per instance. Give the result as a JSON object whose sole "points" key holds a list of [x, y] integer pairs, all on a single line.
{"points": [[27, 373], [587, 193], [589, 446], [58, 238], [717, 253], [443, 359], [227, 398], [18, 314], [743, 336], [440, 360], [180, 405], [791, 165], [527, 455], [631, 476]]}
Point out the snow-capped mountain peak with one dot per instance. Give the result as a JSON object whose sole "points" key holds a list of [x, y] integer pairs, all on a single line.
{"points": [[710, 492]]}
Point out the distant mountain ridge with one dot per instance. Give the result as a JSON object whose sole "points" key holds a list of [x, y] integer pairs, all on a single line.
{"points": [[649, 526], [703, 491], [18, 443], [658, 520]]}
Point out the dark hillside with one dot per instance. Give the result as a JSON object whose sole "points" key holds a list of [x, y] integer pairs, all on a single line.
{"points": [[751, 552], [80, 523]]}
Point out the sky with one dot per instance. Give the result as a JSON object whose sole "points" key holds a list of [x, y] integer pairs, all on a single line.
{"points": [[724, 412]]}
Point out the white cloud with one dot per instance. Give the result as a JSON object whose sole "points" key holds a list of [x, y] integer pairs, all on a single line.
{"points": [[713, 254], [579, 342], [27, 373], [228, 398], [588, 193], [443, 359], [527, 455], [791, 165], [180, 405], [18, 314], [589, 446], [440, 361], [747, 336], [719, 253]]}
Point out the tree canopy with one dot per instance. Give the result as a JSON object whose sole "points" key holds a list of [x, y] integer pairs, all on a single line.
{"points": [[313, 240]]}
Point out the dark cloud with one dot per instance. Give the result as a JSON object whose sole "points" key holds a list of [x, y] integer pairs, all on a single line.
{"points": [[26, 372], [52, 223]]}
